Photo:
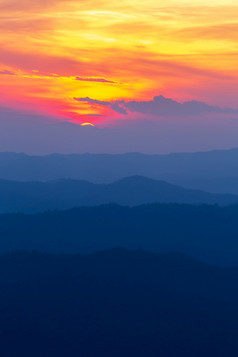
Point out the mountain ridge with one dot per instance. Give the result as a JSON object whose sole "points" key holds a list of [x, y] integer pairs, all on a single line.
{"points": [[213, 171], [34, 196]]}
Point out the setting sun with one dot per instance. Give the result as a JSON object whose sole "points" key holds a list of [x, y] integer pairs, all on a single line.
{"points": [[87, 124]]}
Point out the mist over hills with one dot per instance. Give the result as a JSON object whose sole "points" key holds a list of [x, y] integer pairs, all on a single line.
{"points": [[214, 171], [32, 197]]}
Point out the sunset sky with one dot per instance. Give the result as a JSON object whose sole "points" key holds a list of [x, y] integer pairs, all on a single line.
{"points": [[54, 52]]}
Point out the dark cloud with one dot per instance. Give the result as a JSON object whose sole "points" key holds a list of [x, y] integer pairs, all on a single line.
{"points": [[100, 80], [93, 101], [116, 106], [161, 106], [7, 73]]}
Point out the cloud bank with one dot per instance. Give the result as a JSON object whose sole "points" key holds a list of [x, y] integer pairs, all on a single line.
{"points": [[160, 106]]}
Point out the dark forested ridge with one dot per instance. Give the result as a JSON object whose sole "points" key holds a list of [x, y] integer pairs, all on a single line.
{"points": [[214, 171], [209, 233], [32, 197], [116, 303]]}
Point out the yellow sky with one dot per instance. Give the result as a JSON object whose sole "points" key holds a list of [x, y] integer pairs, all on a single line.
{"points": [[52, 51]]}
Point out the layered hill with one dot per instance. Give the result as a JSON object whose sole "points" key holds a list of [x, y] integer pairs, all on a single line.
{"points": [[213, 171], [208, 233], [33, 197], [116, 303]]}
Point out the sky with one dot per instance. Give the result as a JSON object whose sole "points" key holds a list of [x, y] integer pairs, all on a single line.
{"points": [[109, 63]]}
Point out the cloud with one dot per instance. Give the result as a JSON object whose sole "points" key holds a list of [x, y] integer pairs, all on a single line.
{"points": [[116, 106], [7, 73], [93, 79], [226, 31], [45, 63], [144, 46], [15, 5], [161, 106]]}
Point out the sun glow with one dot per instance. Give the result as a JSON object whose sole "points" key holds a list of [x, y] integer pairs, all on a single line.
{"points": [[116, 50], [87, 124]]}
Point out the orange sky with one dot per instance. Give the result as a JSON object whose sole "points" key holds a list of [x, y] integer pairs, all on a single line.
{"points": [[52, 51]]}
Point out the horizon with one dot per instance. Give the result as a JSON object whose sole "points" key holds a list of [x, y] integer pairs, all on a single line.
{"points": [[119, 154]]}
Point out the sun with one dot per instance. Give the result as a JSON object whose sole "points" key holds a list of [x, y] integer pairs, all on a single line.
{"points": [[87, 124]]}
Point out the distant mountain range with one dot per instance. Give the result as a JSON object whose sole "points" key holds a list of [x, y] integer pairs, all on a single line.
{"points": [[30, 197], [214, 171]]}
